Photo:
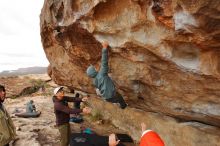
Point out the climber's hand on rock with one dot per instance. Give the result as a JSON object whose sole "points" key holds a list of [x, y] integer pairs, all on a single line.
{"points": [[105, 44]]}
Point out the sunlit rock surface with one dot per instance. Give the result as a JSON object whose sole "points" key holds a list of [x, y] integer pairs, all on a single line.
{"points": [[165, 55]]}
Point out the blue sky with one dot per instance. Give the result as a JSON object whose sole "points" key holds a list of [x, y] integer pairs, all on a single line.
{"points": [[20, 42]]}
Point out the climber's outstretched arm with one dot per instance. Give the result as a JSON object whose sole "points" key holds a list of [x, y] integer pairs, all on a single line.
{"points": [[104, 60]]}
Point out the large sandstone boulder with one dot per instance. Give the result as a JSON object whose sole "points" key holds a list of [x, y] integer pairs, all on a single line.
{"points": [[164, 57]]}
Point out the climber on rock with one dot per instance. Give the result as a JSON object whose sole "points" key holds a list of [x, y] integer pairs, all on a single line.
{"points": [[103, 83]]}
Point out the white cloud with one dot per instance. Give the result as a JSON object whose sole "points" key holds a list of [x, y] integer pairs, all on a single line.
{"points": [[20, 42]]}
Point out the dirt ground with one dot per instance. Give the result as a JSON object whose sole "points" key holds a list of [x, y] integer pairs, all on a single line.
{"points": [[42, 131]]}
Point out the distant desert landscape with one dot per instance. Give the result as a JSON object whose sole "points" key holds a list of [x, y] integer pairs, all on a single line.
{"points": [[24, 71]]}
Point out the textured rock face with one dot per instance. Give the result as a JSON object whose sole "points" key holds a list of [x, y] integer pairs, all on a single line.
{"points": [[165, 55], [173, 133]]}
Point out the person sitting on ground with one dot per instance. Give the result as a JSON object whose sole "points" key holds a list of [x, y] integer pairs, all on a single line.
{"points": [[150, 138], [103, 82], [7, 129], [30, 108], [62, 112]]}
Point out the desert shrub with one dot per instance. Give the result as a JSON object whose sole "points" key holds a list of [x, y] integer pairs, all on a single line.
{"points": [[37, 83], [35, 86], [29, 90]]}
